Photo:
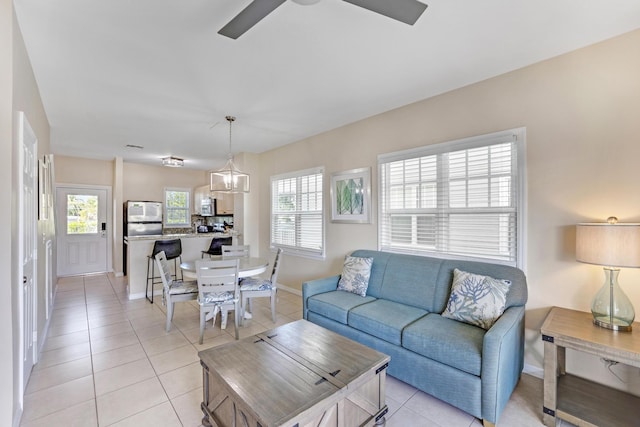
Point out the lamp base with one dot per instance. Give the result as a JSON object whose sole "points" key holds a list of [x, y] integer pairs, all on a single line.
{"points": [[611, 308], [612, 326]]}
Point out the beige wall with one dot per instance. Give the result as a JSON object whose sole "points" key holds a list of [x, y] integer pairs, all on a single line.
{"points": [[27, 99], [18, 92], [580, 111], [143, 182], [74, 170]]}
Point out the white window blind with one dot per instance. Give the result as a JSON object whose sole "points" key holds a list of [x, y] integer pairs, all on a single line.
{"points": [[457, 199], [297, 214]]}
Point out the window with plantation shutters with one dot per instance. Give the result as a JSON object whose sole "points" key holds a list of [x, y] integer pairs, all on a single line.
{"points": [[461, 199], [297, 214]]}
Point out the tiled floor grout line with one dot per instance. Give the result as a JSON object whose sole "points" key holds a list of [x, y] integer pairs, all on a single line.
{"points": [[156, 373], [93, 372], [146, 357]]}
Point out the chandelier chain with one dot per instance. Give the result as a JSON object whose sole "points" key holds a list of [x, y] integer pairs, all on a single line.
{"points": [[230, 119]]}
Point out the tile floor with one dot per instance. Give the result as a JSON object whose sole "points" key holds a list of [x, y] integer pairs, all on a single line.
{"points": [[108, 361]]}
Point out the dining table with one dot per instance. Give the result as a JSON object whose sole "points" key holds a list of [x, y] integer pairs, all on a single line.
{"points": [[249, 266]]}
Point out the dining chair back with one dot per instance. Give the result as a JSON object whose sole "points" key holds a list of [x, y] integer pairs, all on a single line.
{"points": [[215, 247], [217, 288], [255, 287], [235, 250], [173, 290]]}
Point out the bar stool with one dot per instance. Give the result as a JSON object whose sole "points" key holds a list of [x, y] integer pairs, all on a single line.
{"points": [[215, 248], [173, 251]]}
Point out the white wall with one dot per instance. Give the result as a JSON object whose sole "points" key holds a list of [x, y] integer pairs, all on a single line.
{"points": [[583, 145]]}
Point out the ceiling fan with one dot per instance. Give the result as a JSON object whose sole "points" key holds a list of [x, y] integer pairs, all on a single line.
{"points": [[407, 11]]}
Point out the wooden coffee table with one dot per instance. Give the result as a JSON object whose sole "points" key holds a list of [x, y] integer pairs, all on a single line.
{"points": [[298, 374]]}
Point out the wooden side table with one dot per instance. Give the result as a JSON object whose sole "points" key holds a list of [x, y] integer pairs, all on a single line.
{"points": [[577, 400]]}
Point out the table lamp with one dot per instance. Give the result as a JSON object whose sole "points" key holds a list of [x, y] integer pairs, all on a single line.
{"points": [[611, 245]]}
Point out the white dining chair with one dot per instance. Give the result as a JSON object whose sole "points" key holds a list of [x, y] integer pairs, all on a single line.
{"points": [[256, 287], [173, 290], [217, 290], [235, 250]]}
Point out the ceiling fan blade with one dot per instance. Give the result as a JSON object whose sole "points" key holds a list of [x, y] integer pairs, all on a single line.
{"points": [[249, 17], [407, 11]]}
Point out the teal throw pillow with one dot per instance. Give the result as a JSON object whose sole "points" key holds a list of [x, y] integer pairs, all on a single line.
{"points": [[355, 275], [476, 299]]}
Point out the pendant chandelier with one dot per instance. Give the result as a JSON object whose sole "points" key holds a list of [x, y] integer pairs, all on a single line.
{"points": [[229, 179]]}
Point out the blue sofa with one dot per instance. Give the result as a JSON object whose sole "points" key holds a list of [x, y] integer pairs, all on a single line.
{"points": [[473, 369]]}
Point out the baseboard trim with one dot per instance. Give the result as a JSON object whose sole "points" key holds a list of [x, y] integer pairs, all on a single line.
{"points": [[290, 290], [141, 295], [534, 371]]}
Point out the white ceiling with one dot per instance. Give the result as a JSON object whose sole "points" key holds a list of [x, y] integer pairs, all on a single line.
{"points": [[155, 73]]}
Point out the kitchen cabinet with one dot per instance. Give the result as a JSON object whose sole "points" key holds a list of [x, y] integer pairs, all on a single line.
{"points": [[199, 194], [224, 204]]}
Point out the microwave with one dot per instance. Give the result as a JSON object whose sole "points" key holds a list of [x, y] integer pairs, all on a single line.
{"points": [[206, 207]]}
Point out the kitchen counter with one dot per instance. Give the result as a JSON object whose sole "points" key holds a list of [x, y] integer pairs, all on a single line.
{"points": [[140, 247], [179, 236]]}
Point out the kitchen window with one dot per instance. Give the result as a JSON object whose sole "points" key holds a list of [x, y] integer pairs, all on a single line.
{"points": [[176, 207], [460, 199], [297, 214]]}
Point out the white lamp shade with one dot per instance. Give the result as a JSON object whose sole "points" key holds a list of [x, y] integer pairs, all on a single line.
{"points": [[611, 245]]}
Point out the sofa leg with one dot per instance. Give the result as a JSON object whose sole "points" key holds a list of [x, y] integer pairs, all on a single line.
{"points": [[486, 423]]}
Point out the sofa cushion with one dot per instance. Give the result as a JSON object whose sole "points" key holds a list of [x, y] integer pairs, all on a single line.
{"points": [[378, 269], [412, 280], [384, 319], [476, 299], [336, 304], [447, 341], [355, 275], [517, 294]]}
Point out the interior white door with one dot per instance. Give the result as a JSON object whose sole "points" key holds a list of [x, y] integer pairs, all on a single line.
{"points": [[27, 245], [82, 230]]}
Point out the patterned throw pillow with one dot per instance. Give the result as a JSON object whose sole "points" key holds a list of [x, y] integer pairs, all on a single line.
{"points": [[355, 275], [476, 299]]}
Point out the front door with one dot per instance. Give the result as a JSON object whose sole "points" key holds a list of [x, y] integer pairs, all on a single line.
{"points": [[27, 241], [82, 230]]}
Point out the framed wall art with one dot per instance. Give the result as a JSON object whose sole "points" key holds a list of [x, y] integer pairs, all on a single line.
{"points": [[351, 196]]}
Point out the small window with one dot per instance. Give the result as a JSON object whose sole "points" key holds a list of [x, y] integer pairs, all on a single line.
{"points": [[457, 199], [297, 214], [176, 207], [82, 214]]}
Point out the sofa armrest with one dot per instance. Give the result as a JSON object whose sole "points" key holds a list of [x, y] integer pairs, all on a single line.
{"points": [[315, 287], [502, 362]]}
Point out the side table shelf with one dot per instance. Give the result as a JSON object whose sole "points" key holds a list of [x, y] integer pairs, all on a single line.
{"points": [[578, 400], [583, 402]]}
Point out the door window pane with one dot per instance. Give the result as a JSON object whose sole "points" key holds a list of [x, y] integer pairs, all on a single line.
{"points": [[82, 214]]}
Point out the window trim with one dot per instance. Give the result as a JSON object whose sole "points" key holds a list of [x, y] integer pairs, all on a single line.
{"points": [[296, 250], [517, 135], [187, 208]]}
